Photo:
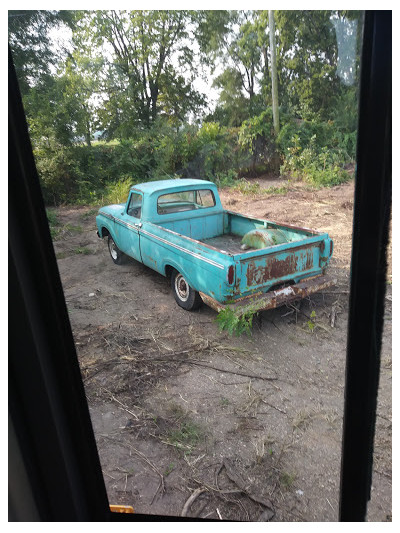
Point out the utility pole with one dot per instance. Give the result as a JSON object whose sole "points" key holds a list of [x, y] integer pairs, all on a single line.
{"points": [[274, 75]]}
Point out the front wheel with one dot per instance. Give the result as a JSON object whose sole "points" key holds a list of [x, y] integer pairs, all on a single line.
{"points": [[116, 255], [185, 296]]}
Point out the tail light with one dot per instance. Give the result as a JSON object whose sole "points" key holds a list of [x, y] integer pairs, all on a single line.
{"points": [[231, 272]]}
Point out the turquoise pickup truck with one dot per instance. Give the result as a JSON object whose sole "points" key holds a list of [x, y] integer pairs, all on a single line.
{"points": [[180, 229]]}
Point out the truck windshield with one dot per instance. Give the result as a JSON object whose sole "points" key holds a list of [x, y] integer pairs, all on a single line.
{"points": [[185, 201]]}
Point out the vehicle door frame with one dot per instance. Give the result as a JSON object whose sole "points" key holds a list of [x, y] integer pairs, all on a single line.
{"points": [[128, 230]]}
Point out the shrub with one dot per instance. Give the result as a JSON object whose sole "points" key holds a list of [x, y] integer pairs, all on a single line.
{"points": [[316, 152], [118, 192]]}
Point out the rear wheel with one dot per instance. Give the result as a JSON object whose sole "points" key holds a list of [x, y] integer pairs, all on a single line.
{"points": [[185, 296], [116, 255]]}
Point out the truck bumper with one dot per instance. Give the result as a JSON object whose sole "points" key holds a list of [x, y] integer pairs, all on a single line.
{"points": [[271, 300]]}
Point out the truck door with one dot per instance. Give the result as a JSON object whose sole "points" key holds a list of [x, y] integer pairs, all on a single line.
{"points": [[128, 226]]}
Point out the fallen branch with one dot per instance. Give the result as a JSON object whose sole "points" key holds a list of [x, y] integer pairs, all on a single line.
{"points": [[252, 376], [153, 467], [123, 406], [190, 500], [274, 407]]}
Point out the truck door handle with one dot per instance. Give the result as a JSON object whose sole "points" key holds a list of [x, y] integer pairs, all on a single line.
{"points": [[138, 224]]}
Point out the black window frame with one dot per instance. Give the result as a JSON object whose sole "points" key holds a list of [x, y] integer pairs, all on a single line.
{"points": [[54, 468], [129, 203]]}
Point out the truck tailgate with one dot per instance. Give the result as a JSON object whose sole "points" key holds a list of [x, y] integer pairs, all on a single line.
{"points": [[262, 269]]}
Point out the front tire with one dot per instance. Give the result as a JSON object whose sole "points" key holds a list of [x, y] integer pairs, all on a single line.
{"points": [[185, 296], [116, 255]]}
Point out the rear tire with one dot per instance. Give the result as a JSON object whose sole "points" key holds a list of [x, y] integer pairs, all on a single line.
{"points": [[185, 296], [116, 255]]}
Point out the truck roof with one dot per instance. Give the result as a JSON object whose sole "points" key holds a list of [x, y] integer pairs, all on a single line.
{"points": [[155, 186]]}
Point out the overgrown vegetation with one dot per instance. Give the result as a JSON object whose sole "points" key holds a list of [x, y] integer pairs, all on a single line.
{"points": [[235, 323], [100, 122], [54, 223]]}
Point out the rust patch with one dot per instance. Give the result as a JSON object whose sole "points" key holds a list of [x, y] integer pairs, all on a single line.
{"points": [[273, 299], [276, 268]]}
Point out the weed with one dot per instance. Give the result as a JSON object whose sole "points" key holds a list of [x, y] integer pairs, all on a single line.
{"points": [[224, 402], [186, 436], [226, 178], [118, 192], [183, 433], [311, 322], [234, 322], [169, 469], [252, 189], [73, 229], [287, 479], [53, 221], [249, 189], [83, 251], [52, 218], [277, 190]]}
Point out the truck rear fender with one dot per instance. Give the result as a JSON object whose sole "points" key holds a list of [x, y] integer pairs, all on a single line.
{"points": [[169, 267]]}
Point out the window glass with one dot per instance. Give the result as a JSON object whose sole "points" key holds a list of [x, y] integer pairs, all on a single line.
{"points": [[185, 201], [135, 205]]}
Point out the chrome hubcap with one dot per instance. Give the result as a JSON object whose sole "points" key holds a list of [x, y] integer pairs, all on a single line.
{"points": [[182, 288], [113, 250]]}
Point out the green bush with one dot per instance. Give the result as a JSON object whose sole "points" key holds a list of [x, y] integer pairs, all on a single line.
{"points": [[312, 150], [316, 151], [118, 192], [226, 178]]}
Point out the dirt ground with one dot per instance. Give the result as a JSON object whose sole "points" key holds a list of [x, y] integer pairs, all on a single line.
{"points": [[250, 428]]}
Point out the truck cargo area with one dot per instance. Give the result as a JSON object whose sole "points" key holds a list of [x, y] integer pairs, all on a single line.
{"points": [[224, 231]]}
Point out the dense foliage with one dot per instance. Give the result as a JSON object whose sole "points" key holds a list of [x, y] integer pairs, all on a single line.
{"points": [[118, 103]]}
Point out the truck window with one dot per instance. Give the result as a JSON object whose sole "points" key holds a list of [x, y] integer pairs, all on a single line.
{"points": [[185, 201], [135, 205]]}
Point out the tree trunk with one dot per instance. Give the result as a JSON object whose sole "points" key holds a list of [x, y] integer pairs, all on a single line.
{"points": [[274, 75]]}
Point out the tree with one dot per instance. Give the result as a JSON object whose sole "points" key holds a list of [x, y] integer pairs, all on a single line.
{"points": [[29, 40], [232, 107], [150, 49], [307, 62], [236, 44]]}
